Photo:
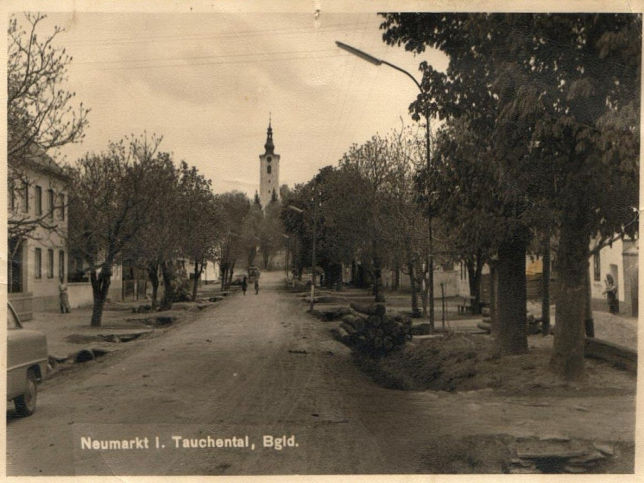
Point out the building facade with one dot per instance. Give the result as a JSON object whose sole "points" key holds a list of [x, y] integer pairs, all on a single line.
{"points": [[37, 241], [620, 260], [269, 171]]}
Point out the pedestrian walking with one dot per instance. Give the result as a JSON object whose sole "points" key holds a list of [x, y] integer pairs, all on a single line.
{"points": [[256, 285], [63, 297], [611, 293], [244, 285]]}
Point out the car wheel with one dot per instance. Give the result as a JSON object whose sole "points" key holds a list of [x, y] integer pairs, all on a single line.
{"points": [[26, 403]]}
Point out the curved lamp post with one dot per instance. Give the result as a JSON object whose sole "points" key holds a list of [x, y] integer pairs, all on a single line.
{"points": [[430, 259]]}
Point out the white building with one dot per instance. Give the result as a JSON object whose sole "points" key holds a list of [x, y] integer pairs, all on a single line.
{"points": [[621, 261], [37, 217]]}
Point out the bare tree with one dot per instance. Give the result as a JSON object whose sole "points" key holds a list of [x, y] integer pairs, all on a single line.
{"points": [[40, 112]]}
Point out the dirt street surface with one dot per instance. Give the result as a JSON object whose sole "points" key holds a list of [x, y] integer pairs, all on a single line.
{"points": [[258, 368]]}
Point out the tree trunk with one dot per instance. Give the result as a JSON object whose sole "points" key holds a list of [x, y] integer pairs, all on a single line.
{"points": [[545, 287], [251, 255], [589, 323], [100, 287], [415, 311], [377, 280], [223, 273], [167, 272], [153, 275], [231, 272], [572, 268], [512, 335], [195, 281], [474, 268], [494, 289], [396, 283]]}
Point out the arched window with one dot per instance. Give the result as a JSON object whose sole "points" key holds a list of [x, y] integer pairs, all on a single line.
{"points": [[268, 169]]}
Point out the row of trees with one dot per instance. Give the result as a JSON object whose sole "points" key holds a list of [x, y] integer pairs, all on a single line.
{"points": [[133, 204], [540, 143], [538, 152], [366, 215]]}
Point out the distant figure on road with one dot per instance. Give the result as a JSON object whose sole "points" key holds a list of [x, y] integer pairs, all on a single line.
{"points": [[256, 286], [244, 285], [611, 293], [64, 297]]}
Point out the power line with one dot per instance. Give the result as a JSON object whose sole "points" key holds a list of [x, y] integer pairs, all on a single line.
{"points": [[196, 64], [239, 33], [153, 59]]}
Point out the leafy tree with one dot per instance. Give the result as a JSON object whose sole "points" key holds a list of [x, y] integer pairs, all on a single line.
{"points": [[371, 165], [250, 232], [558, 98], [469, 90], [199, 220], [110, 200], [271, 230], [158, 243], [233, 207], [468, 196]]}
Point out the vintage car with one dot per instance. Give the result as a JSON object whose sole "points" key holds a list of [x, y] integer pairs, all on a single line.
{"points": [[27, 359]]}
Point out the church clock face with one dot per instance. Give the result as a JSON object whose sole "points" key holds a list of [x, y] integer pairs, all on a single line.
{"points": [[268, 159]]}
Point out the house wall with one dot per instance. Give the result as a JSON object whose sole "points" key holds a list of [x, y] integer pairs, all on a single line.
{"points": [[80, 294], [449, 278], [210, 273], [43, 288], [610, 255]]}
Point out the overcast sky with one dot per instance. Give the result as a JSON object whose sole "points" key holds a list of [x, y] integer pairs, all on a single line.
{"points": [[207, 82]]}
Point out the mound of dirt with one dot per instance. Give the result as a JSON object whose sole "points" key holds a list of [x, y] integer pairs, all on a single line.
{"points": [[463, 362]]}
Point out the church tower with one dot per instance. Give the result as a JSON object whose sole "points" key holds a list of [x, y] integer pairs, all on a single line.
{"points": [[269, 170]]}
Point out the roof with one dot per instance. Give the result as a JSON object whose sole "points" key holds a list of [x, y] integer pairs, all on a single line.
{"points": [[39, 160]]}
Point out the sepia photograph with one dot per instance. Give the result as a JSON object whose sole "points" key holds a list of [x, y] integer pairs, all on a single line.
{"points": [[309, 238]]}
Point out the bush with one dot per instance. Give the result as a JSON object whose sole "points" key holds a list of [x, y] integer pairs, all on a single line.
{"points": [[375, 335]]}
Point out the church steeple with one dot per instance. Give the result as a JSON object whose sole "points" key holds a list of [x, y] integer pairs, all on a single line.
{"points": [[269, 170], [269, 146]]}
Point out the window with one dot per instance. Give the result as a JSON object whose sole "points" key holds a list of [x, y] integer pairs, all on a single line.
{"points": [[597, 273], [50, 263], [268, 159], [38, 200], [268, 169], [38, 264], [61, 206], [50, 196], [61, 264], [25, 196]]}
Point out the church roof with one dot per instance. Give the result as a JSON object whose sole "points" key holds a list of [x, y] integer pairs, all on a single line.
{"points": [[269, 146]]}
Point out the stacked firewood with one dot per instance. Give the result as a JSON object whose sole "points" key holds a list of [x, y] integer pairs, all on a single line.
{"points": [[369, 330]]}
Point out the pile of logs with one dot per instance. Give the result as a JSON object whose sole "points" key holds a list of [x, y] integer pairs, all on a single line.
{"points": [[369, 330]]}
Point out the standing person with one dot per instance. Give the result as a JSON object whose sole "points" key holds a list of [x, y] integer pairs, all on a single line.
{"points": [[611, 294], [63, 297], [244, 285], [256, 285]]}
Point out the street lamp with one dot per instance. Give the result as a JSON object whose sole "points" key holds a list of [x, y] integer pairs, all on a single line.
{"points": [[430, 259], [315, 219]]}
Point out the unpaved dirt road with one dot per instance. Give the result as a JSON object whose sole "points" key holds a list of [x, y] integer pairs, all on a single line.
{"points": [[257, 366]]}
